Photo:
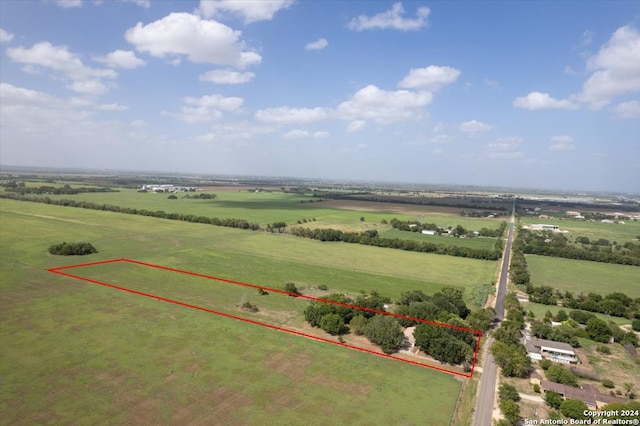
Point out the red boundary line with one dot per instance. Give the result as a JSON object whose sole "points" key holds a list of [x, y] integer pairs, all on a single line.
{"points": [[58, 270]]}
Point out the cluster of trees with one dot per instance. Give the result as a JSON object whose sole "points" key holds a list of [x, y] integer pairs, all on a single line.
{"points": [[72, 249], [446, 344], [20, 188], [549, 243], [371, 238], [161, 214], [615, 304], [570, 330], [276, 226], [481, 213], [337, 315], [508, 397], [509, 353], [458, 231], [201, 196]]}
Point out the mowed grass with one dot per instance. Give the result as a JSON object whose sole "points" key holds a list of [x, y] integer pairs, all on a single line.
{"points": [[620, 233], [482, 243], [73, 352], [579, 276]]}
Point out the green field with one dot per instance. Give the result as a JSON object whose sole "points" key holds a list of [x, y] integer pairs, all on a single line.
{"points": [[480, 243], [74, 350], [269, 207], [580, 276], [620, 233]]}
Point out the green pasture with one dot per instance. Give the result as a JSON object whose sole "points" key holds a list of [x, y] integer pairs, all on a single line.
{"points": [[539, 310], [620, 233], [580, 276], [480, 243], [72, 350], [269, 207]]}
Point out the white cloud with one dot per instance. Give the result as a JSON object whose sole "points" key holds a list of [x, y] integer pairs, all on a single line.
{"points": [[430, 78], [207, 108], [88, 87], [392, 18], [5, 36], [69, 3], [142, 3], [319, 44], [356, 126], [474, 126], [304, 134], [569, 71], [562, 143], [505, 148], [226, 76], [616, 69], [491, 83], [630, 109], [286, 115], [200, 40], [83, 79], [248, 10], [383, 106], [537, 100], [121, 59], [112, 107]]}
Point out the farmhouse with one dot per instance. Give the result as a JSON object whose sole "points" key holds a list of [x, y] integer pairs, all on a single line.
{"points": [[539, 349]]}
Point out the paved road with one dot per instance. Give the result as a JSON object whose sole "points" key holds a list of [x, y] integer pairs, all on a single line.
{"points": [[486, 391]]}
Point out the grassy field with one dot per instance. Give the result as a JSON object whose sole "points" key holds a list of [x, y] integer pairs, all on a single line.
{"points": [[70, 349], [581, 276], [482, 243], [269, 207], [620, 233]]}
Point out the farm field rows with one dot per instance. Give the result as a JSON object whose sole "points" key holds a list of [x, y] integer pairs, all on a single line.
{"points": [[119, 356], [583, 276]]}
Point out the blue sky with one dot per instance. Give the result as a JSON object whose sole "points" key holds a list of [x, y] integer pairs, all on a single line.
{"points": [[524, 94]]}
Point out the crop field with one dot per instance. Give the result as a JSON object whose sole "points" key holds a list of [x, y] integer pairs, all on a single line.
{"points": [[582, 276], [71, 349], [269, 207], [620, 233]]}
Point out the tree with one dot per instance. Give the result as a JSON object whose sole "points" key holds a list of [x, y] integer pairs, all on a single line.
{"points": [[559, 374], [574, 409], [358, 324], [291, 288], [598, 330], [172, 197], [562, 315], [510, 410], [385, 331], [332, 324], [635, 324], [480, 320], [553, 399], [507, 391]]}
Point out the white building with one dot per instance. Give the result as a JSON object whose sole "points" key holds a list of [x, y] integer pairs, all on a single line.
{"points": [[428, 232]]}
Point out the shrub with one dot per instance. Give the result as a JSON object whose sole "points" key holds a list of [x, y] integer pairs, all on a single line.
{"points": [[553, 399], [545, 364], [559, 374], [323, 287], [608, 383], [507, 391], [172, 197], [291, 288], [536, 388], [72, 249], [604, 349], [262, 292], [635, 324]]}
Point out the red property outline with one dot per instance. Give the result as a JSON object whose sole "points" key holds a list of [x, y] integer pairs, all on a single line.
{"points": [[59, 270]]}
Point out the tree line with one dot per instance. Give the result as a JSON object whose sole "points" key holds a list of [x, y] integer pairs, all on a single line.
{"points": [[20, 188], [549, 243], [474, 203], [371, 238]]}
